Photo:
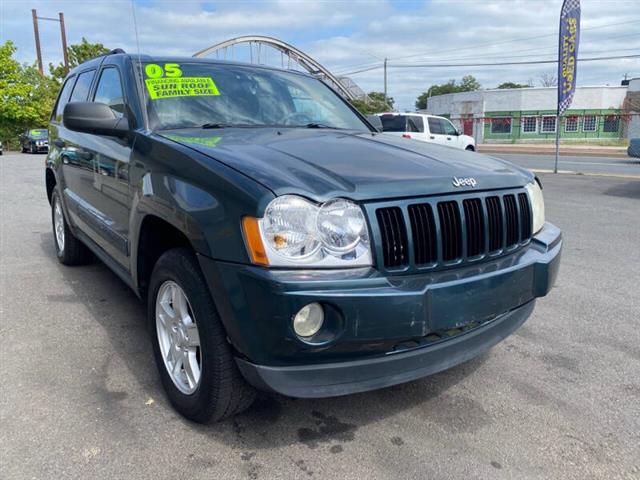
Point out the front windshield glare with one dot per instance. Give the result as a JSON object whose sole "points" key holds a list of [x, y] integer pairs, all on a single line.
{"points": [[188, 95]]}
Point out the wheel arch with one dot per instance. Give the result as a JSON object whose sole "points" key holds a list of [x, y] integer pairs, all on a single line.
{"points": [[50, 181], [155, 236]]}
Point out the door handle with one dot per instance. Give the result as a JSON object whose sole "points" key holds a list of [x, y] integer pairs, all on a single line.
{"points": [[448, 138], [432, 137], [59, 143]]}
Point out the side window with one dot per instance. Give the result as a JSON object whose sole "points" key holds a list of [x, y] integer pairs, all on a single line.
{"points": [[435, 127], [447, 127], [415, 124], [109, 90], [63, 98], [81, 90]]}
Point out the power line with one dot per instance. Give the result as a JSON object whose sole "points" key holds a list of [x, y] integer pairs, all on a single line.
{"points": [[528, 55], [513, 40], [588, 52], [374, 65], [494, 64], [552, 47], [529, 62]]}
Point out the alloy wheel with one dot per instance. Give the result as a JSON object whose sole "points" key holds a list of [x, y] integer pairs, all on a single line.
{"points": [[58, 224], [178, 337]]}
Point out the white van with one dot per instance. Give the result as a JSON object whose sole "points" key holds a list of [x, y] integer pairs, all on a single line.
{"points": [[426, 128]]}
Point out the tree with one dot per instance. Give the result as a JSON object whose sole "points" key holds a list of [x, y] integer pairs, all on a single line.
{"points": [[512, 85], [78, 53], [374, 103], [467, 84], [548, 80], [26, 97], [378, 97]]}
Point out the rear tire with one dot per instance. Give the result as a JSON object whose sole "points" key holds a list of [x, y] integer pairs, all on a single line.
{"points": [[69, 250], [220, 390], [470, 148]]}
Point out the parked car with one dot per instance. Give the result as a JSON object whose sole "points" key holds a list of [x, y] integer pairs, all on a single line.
{"points": [[35, 141], [426, 128], [282, 247], [634, 148]]}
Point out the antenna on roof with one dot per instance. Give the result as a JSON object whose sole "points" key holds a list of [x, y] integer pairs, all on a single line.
{"points": [[140, 80], [115, 51]]}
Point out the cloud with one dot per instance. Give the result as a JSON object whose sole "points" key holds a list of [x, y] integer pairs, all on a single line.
{"points": [[348, 35]]}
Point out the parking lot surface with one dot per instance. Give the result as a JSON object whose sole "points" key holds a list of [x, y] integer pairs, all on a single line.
{"points": [[80, 396]]}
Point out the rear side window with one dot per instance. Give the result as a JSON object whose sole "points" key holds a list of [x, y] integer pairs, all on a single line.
{"points": [[81, 90], [415, 124], [63, 99], [109, 90], [394, 123], [435, 127]]}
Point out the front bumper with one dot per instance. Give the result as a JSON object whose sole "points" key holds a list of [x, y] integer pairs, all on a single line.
{"points": [[342, 378], [386, 329]]}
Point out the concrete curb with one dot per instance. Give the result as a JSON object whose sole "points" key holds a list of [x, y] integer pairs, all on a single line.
{"points": [[572, 172], [563, 152]]}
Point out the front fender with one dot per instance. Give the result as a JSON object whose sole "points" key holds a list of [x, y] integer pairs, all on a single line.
{"points": [[202, 198]]}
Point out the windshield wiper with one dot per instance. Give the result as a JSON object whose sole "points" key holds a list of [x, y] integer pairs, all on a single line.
{"points": [[318, 125], [214, 125]]}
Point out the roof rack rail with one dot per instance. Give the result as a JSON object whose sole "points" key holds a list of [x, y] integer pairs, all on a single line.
{"points": [[116, 50]]}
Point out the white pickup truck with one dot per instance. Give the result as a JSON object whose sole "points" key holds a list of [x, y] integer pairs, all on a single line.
{"points": [[426, 128]]}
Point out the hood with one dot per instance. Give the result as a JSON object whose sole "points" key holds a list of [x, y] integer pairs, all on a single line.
{"points": [[322, 164]]}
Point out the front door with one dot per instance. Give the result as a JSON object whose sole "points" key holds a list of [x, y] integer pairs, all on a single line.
{"points": [[108, 195]]}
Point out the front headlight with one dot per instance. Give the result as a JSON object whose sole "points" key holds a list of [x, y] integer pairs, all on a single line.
{"points": [[537, 205], [297, 232]]}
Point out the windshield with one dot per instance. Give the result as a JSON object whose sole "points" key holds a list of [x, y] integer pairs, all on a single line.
{"points": [[38, 133], [188, 95]]}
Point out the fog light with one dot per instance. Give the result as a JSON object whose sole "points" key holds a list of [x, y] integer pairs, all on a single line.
{"points": [[308, 320]]}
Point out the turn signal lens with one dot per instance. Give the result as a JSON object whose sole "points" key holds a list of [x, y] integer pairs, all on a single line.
{"points": [[254, 241]]}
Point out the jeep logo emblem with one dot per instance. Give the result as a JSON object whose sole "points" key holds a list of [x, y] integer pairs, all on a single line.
{"points": [[464, 182]]}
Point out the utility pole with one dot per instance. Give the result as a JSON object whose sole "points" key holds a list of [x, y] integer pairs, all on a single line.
{"points": [[37, 34], [63, 34], [385, 82]]}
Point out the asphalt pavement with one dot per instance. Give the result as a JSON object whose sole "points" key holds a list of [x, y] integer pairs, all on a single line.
{"points": [[80, 396], [619, 166]]}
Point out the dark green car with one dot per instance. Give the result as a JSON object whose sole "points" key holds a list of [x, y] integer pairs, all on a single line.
{"points": [[279, 241], [34, 141]]}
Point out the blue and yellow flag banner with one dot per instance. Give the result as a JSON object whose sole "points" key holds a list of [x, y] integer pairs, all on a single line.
{"points": [[568, 53]]}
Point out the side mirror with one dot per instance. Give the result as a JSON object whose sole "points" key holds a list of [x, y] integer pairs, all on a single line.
{"points": [[375, 121], [94, 117]]}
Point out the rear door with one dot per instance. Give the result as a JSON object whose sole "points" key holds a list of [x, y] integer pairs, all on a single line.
{"points": [[415, 128], [77, 163]]}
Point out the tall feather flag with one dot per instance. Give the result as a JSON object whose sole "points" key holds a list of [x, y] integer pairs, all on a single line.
{"points": [[568, 53], [569, 39]]}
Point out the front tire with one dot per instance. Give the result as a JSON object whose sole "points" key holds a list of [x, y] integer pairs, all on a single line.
{"points": [[69, 250], [195, 362]]}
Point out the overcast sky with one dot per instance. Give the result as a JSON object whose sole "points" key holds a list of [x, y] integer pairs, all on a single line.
{"points": [[350, 35]]}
